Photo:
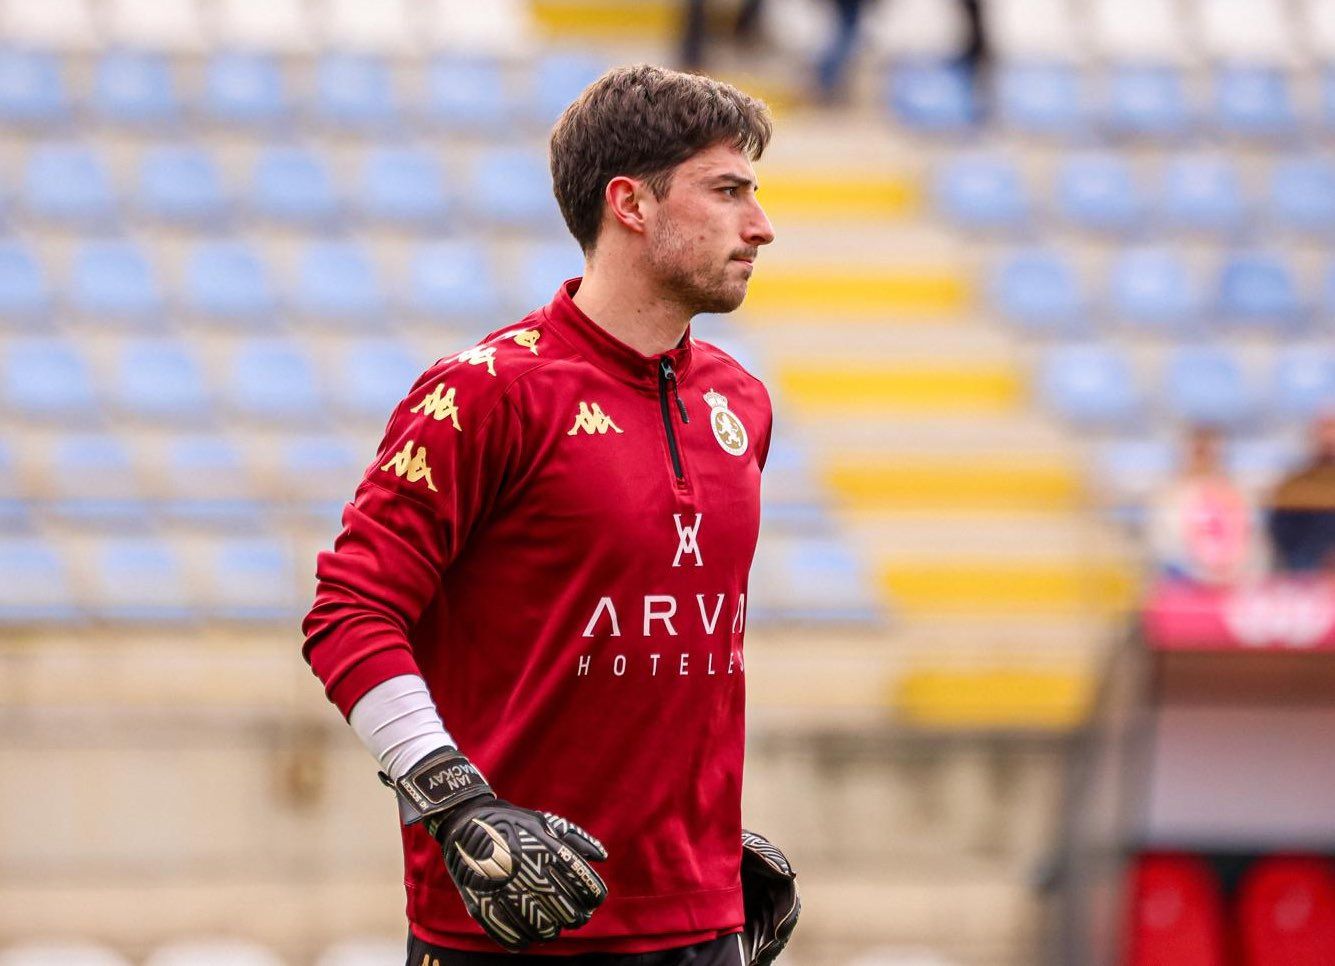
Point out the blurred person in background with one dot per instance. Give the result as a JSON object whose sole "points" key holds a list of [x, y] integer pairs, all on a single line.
{"points": [[1203, 527], [696, 29], [1302, 507]]}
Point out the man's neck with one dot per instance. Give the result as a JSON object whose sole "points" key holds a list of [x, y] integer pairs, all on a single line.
{"points": [[621, 304]]}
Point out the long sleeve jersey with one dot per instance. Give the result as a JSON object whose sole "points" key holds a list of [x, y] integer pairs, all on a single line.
{"points": [[556, 534]]}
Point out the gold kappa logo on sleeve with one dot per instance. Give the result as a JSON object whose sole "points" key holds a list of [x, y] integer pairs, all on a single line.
{"points": [[439, 406], [529, 339], [591, 419], [479, 356], [410, 465]]}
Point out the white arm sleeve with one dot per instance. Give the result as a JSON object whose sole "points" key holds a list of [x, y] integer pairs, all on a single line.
{"points": [[397, 721]]}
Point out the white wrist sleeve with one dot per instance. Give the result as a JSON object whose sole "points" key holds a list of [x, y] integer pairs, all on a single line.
{"points": [[397, 721]]}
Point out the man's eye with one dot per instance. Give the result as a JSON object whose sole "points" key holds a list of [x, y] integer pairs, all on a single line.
{"points": [[731, 191]]}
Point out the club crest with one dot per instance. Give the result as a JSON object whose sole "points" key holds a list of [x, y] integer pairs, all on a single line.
{"points": [[728, 429]]}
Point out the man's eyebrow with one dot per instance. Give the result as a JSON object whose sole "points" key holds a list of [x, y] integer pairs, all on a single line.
{"points": [[735, 179]]}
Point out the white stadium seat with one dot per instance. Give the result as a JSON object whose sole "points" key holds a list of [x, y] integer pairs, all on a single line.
{"points": [[381, 27], [500, 28], [50, 24], [1318, 28], [213, 952], [280, 26], [799, 26], [932, 29], [1246, 31], [363, 952], [1032, 29], [56, 953], [167, 25], [1139, 31]]}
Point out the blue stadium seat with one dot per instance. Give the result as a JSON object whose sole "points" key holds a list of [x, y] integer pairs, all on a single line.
{"points": [[336, 283], [1328, 291], [91, 480], [982, 192], [135, 87], [467, 94], [274, 381], [68, 182], [1037, 289], [1258, 288], [291, 184], [139, 579], [32, 88], [1096, 191], [1148, 100], [1090, 386], [354, 91], [1304, 382], [1206, 385], [935, 97], [1254, 102], [114, 282], [1202, 193], [207, 483], [25, 297], [405, 186], [1133, 470], [1259, 463], [374, 375], [813, 579], [14, 509], [547, 265], [34, 583], [226, 281], [182, 185], [320, 473], [512, 188], [48, 379], [1039, 98], [452, 279], [559, 78], [250, 579], [1302, 195], [1328, 98], [161, 381], [1153, 289], [245, 89]]}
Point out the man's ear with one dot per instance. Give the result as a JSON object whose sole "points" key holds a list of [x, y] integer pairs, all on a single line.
{"points": [[625, 199]]}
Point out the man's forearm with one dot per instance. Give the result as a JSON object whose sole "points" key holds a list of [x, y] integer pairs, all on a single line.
{"points": [[398, 722]]}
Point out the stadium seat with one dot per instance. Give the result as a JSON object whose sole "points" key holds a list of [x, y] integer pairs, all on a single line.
{"points": [[374, 375], [1176, 913], [337, 284], [25, 297], [34, 588], [382, 27], [500, 28], [452, 279], [511, 188], [173, 26], [1258, 288], [318, 474], [982, 192], [1041, 98], [1037, 289], [1302, 195], [557, 79], [1254, 102], [1139, 31], [113, 282], [273, 381], [250, 579], [1303, 383], [468, 94], [354, 91], [1258, 463], [812, 579], [1328, 99], [1202, 193], [360, 952], [935, 97], [68, 182], [32, 88], [275, 26], [206, 482], [213, 952], [1031, 29], [244, 89], [293, 185], [1147, 100], [161, 381], [225, 281], [48, 379], [1153, 289], [55, 25], [138, 580], [1096, 191], [1131, 470], [117, 499], [545, 267], [1206, 385], [404, 186], [135, 87], [1286, 912], [14, 508], [180, 184], [1245, 31], [1089, 386]]}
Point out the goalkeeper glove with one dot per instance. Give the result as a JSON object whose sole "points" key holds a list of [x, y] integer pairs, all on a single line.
{"points": [[523, 875], [769, 896]]}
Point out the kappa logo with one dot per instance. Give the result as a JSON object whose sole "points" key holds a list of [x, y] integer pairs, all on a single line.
{"points": [[591, 419], [529, 339], [411, 465], [688, 542], [496, 866], [479, 356], [439, 406]]}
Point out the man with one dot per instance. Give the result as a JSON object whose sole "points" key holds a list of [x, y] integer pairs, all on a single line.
{"points": [[1301, 516], [549, 555]]}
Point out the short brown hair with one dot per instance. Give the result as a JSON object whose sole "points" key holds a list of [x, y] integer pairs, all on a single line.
{"points": [[641, 122]]}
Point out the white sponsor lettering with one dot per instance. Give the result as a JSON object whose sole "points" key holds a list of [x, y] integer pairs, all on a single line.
{"points": [[584, 662], [619, 665], [684, 668], [651, 613], [604, 604], [634, 665], [654, 658], [709, 622], [739, 619], [663, 609], [688, 540], [710, 669]]}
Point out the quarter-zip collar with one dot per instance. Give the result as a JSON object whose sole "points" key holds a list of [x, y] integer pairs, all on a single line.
{"points": [[607, 351]]}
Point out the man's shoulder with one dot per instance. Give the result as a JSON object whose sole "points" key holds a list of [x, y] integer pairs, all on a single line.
{"points": [[720, 361], [493, 363]]}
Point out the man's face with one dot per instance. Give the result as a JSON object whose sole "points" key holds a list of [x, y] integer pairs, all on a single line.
{"points": [[704, 234]]}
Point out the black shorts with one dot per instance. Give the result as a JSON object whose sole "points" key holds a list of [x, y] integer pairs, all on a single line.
{"points": [[726, 951]]}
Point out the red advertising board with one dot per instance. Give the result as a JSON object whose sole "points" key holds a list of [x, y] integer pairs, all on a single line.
{"points": [[1285, 613]]}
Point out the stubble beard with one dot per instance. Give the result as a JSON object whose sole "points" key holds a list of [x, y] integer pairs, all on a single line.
{"points": [[697, 287]]}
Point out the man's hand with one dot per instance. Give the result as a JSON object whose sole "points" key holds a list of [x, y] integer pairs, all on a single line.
{"points": [[769, 895], [524, 875]]}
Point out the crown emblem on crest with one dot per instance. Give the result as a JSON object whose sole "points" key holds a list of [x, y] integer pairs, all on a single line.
{"points": [[716, 400]]}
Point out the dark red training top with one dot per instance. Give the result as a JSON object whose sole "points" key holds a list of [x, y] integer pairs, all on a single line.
{"points": [[556, 534]]}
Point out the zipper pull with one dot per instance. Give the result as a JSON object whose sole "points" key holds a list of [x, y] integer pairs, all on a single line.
{"points": [[670, 375]]}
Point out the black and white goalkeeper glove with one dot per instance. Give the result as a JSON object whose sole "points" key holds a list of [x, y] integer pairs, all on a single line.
{"points": [[769, 895], [524, 875]]}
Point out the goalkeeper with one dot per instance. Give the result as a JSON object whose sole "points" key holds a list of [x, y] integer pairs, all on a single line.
{"points": [[549, 556]]}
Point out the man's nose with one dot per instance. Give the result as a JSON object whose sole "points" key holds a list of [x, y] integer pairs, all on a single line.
{"points": [[759, 231]]}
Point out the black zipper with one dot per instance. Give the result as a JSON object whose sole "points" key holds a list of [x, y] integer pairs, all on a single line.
{"points": [[667, 380]]}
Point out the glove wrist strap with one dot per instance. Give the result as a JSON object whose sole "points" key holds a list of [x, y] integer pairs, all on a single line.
{"points": [[436, 784]]}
